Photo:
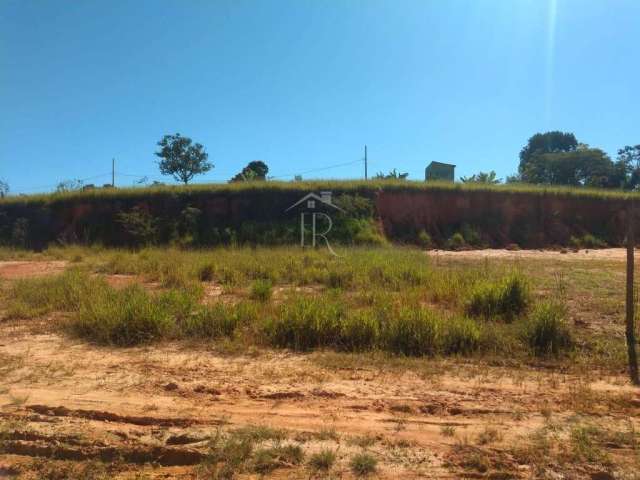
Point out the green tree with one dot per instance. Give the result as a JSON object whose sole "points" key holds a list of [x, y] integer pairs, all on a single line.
{"points": [[549, 142], [585, 166], [4, 189], [181, 158], [482, 177], [628, 166], [256, 170], [392, 175]]}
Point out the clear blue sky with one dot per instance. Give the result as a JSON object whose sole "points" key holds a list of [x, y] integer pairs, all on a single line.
{"points": [[305, 84]]}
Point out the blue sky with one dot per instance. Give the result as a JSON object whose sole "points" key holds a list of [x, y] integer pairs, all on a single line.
{"points": [[303, 85]]}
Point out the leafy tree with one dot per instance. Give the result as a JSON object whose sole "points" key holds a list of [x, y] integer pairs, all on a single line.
{"points": [[256, 170], [482, 177], [628, 166], [69, 186], [549, 142], [581, 167], [4, 189], [181, 158], [392, 175]]}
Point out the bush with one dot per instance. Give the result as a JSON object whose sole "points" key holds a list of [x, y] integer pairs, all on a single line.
{"points": [[461, 336], [412, 331], [587, 241], [546, 331], [261, 289], [123, 317], [507, 299], [424, 239], [456, 242], [363, 464], [206, 273]]}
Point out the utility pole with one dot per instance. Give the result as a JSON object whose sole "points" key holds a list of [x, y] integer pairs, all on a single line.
{"points": [[365, 162], [630, 330], [113, 172]]}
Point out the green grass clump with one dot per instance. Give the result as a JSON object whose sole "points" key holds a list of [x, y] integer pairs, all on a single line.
{"points": [[322, 460], [306, 323], [412, 331], [363, 464], [268, 459], [506, 299], [65, 292], [360, 331], [461, 336], [214, 321], [262, 289], [123, 317], [546, 331]]}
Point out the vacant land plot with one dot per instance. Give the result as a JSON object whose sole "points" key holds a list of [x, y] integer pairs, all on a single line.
{"points": [[240, 363]]}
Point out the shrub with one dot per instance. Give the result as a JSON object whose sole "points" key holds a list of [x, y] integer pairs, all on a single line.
{"points": [[323, 460], [123, 317], [456, 242], [139, 224], [587, 241], [461, 336], [546, 331], [206, 273], [412, 331], [507, 298], [424, 239], [261, 289], [363, 464]]}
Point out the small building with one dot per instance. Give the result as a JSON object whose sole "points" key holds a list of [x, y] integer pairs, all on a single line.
{"points": [[437, 171]]}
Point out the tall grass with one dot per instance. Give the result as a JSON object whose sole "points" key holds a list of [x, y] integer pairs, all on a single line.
{"points": [[390, 300], [506, 299], [546, 331], [125, 318]]}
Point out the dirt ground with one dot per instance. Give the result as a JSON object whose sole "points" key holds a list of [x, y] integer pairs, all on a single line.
{"points": [[610, 254], [147, 412]]}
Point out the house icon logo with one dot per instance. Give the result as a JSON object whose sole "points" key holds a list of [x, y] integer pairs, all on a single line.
{"points": [[315, 207]]}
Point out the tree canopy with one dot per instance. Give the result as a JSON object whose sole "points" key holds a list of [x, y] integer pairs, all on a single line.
{"points": [[548, 142], [255, 170], [181, 158]]}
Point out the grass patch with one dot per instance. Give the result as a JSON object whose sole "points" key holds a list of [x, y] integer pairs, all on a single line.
{"points": [[546, 331], [124, 318], [261, 289], [323, 460], [363, 464], [506, 299]]}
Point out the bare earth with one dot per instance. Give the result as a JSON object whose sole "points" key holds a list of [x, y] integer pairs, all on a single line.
{"points": [[72, 401], [564, 255]]}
